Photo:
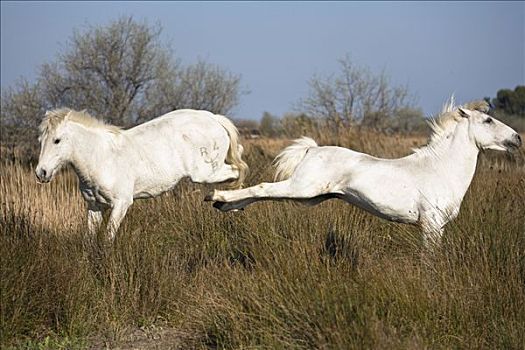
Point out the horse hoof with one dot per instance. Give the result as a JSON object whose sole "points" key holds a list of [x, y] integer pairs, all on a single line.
{"points": [[220, 206], [223, 206]]}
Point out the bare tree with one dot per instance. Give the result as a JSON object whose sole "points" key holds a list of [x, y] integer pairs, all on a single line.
{"points": [[121, 72], [21, 105], [199, 86], [355, 95], [106, 69], [21, 110], [124, 73]]}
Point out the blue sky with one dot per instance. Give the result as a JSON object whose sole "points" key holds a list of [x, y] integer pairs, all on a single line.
{"points": [[471, 49]]}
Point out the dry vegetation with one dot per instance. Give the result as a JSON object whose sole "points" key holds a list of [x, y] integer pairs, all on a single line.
{"points": [[278, 275]]}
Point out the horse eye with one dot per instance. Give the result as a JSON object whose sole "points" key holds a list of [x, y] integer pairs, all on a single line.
{"points": [[488, 121], [57, 141]]}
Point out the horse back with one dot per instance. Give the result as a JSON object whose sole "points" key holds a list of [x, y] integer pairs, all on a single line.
{"points": [[178, 144]]}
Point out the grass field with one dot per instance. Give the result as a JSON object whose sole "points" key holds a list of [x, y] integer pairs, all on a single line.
{"points": [[183, 275]]}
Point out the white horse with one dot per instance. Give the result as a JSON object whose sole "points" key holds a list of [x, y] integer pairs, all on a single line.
{"points": [[425, 188], [116, 166]]}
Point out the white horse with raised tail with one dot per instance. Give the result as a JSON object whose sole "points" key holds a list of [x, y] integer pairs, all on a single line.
{"points": [[425, 188], [116, 166]]}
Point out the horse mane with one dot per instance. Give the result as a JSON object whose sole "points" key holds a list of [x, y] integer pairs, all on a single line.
{"points": [[445, 123], [55, 117]]}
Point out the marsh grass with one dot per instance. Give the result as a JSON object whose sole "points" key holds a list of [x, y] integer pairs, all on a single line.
{"points": [[276, 275]]}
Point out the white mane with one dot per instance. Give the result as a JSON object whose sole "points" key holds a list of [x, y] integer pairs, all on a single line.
{"points": [[55, 117], [445, 123]]}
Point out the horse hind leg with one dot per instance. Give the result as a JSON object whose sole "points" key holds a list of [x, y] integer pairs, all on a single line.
{"points": [[225, 173], [240, 205], [234, 206], [318, 200], [287, 189]]}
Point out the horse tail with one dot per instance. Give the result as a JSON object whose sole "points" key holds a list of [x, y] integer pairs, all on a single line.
{"points": [[287, 161], [233, 157]]}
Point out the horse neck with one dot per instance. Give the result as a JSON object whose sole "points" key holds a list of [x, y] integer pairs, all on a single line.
{"points": [[92, 147], [458, 160]]}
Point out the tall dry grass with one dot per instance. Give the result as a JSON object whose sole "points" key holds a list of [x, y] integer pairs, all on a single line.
{"points": [[277, 275]]}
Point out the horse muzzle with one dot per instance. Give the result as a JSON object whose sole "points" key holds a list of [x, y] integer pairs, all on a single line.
{"points": [[42, 175], [513, 143]]}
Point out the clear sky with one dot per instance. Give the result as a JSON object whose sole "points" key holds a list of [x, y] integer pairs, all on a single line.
{"points": [[471, 49]]}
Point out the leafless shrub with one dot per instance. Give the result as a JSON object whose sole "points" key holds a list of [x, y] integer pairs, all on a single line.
{"points": [[355, 96], [121, 72], [21, 107], [199, 86]]}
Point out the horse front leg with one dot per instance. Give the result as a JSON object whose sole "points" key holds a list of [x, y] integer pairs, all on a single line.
{"points": [[432, 237], [432, 223], [120, 207], [94, 217]]}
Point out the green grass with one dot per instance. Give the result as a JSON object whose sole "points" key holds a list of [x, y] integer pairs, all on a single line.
{"points": [[277, 275]]}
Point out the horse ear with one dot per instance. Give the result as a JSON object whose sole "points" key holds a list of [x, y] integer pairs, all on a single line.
{"points": [[464, 113]]}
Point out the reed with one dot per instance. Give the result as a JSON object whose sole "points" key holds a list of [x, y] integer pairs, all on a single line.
{"points": [[277, 275]]}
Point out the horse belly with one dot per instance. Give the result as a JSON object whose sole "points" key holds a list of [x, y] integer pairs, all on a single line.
{"points": [[154, 186], [386, 198]]}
